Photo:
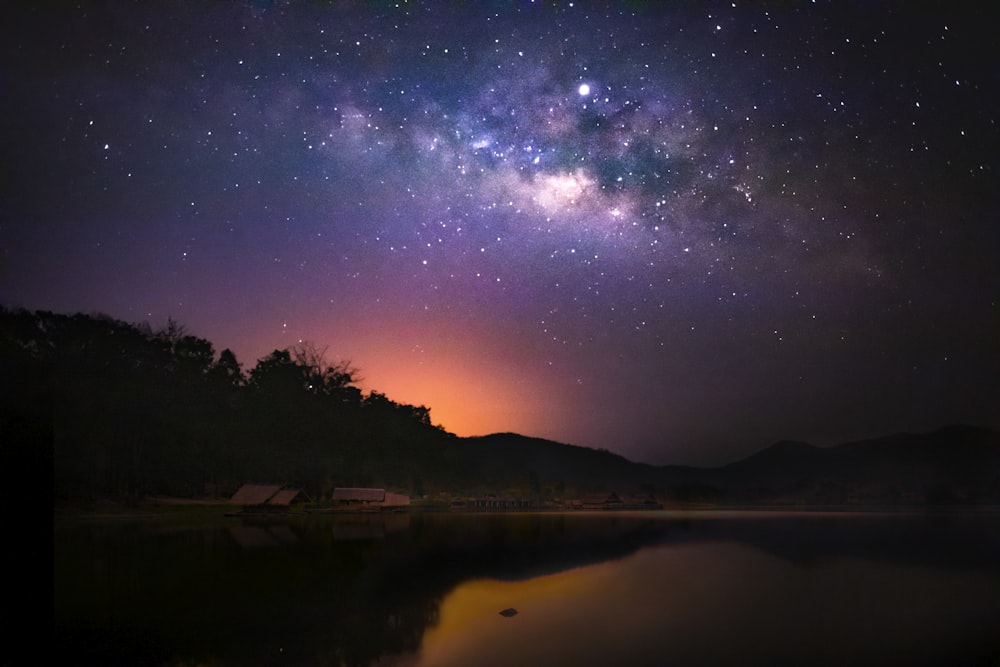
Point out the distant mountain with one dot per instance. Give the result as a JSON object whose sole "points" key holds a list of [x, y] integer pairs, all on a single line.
{"points": [[954, 465], [511, 460]]}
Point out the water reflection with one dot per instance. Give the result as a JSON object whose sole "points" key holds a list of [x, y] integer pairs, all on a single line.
{"points": [[255, 537], [590, 589], [719, 603]]}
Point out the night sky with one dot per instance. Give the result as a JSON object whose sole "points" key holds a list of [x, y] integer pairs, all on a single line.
{"points": [[679, 232]]}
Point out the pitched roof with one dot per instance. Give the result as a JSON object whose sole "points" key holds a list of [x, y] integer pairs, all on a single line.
{"points": [[601, 498], [366, 495], [255, 494], [287, 497]]}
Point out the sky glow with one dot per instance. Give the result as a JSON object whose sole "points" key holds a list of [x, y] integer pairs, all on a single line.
{"points": [[766, 222]]}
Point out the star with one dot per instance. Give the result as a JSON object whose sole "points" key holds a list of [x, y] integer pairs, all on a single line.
{"points": [[398, 171]]}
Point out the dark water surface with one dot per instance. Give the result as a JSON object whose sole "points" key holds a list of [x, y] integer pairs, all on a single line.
{"points": [[652, 588]]}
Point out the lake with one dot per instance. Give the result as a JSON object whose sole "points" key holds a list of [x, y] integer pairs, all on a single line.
{"points": [[604, 588]]}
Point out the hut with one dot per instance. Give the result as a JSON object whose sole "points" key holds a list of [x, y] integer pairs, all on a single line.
{"points": [[496, 503], [287, 497], [371, 500], [395, 501], [602, 501], [267, 497], [358, 498], [253, 496]]}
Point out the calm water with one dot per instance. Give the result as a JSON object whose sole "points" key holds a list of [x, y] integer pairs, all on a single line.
{"points": [[590, 589]]}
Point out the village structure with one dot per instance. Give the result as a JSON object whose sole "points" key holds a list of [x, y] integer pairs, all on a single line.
{"points": [[612, 501], [275, 498], [590, 501], [492, 503], [268, 498], [369, 499]]}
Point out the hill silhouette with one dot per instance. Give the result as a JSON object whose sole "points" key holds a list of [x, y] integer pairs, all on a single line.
{"points": [[512, 460], [121, 411], [957, 464]]}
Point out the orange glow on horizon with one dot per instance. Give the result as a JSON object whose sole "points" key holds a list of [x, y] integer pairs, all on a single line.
{"points": [[474, 381], [467, 394]]}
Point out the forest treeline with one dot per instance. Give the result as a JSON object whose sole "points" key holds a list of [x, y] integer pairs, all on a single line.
{"points": [[123, 411], [120, 411]]}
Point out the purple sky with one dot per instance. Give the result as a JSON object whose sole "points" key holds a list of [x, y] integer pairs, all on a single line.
{"points": [[678, 233]]}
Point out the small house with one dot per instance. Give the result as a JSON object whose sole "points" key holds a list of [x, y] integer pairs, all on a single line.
{"points": [[602, 501], [369, 499], [493, 502], [267, 497]]}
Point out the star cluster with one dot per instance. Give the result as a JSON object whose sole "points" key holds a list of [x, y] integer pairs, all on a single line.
{"points": [[677, 232]]}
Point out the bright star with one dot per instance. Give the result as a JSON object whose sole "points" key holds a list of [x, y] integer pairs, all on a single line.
{"points": [[584, 90]]}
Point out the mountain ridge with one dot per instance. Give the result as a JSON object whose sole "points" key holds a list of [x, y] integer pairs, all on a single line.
{"points": [[954, 464]]}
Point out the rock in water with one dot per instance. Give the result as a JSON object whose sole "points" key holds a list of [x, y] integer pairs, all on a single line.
{"points": [[508, 612]]}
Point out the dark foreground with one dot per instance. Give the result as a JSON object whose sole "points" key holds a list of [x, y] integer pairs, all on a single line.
{"points": [[645, 588]]}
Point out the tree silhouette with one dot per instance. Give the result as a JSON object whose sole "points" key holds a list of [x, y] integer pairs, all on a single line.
{"points": [[123, 411], [226, 371]]}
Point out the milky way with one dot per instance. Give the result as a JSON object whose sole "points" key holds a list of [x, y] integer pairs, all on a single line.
{"points": [[675, 232]]}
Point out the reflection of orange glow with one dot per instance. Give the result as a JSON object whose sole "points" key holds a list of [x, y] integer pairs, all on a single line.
{"points": [[471, 625], [710, 603]]}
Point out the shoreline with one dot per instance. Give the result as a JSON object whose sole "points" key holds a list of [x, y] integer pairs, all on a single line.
{"points": [[162, 507]]}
